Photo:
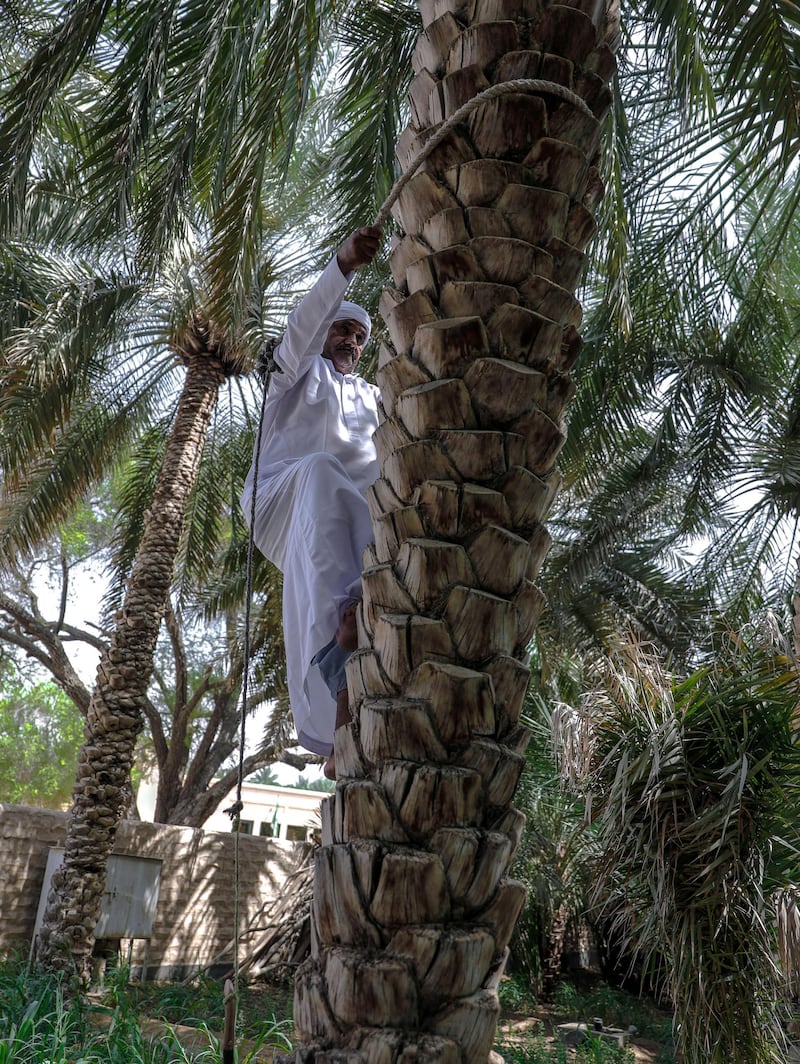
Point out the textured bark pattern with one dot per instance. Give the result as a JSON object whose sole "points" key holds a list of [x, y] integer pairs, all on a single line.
{"points": [[413, 908], [114, 717], [554, 955]]}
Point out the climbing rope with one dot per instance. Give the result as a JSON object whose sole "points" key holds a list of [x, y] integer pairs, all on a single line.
{"points": [[266, 366], [532, 85]]}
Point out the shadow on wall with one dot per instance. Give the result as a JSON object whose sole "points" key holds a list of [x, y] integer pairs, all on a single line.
{"points": [[194, 920]]}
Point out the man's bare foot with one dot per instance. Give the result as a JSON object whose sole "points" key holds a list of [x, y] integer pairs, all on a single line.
{"points": [[343, 716], [347, 632], [329, 768]]}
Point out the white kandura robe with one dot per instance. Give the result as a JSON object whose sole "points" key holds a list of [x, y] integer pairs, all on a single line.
{"points": [[317, 459]]}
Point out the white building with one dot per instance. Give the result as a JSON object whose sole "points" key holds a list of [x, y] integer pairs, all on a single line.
{"points": [[272, 811]]}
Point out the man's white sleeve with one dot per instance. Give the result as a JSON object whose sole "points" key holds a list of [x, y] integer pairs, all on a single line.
{"points": [[307, 325]]}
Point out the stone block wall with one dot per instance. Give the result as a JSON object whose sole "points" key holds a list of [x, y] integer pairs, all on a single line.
{"points": [[195, 914]]}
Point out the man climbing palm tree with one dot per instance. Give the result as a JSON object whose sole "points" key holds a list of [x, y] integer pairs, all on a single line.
{"points": [[316, 460]]}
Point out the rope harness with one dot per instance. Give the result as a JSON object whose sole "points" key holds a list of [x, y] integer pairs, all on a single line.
{"points": [[531, 85], [266, 367]]}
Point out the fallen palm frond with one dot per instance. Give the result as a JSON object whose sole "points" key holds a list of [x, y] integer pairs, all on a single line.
{"points": [[277, 937]]}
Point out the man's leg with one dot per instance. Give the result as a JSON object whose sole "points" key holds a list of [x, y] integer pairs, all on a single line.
{"points": [[331, 661], [343, 716], [346, 639], [324, 523], [347, 632]]}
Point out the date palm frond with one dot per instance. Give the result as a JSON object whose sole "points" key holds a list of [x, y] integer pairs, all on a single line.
{"points": [[694, 784]]}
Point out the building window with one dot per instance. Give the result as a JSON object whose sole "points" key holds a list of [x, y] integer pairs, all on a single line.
{"points": [[268, 829], [245, 827], [296, 832]]}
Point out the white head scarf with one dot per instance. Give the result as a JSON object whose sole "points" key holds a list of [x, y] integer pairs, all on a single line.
{"points": [[353, 312]]}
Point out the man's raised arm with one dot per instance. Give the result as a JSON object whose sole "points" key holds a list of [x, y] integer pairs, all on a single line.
{"points": [[307, 325], [359, 249]]}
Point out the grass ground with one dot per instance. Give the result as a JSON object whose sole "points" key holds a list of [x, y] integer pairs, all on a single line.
{"points": [[527, 1032], [130, 1023]]}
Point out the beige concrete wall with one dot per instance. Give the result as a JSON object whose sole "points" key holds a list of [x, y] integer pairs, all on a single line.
{"points": [[195, 914]]}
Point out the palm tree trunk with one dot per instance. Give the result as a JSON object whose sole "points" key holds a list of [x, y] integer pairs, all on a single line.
{"points": [[554, 954], [114, 718], [413, 908]]}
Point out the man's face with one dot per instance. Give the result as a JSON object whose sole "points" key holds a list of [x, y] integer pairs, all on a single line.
{"points": [[343, 344]]}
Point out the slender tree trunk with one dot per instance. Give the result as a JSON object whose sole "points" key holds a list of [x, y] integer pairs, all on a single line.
{"points": [[412, 906], [554, 955], [114, 717]]}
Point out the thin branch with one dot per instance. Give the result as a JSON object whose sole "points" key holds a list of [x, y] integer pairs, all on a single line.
{"points": [[69, 633], [179, 656], [156, 731], [62, 606], [45, 646]]}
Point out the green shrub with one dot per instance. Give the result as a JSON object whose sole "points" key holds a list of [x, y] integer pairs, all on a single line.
{"points": [[516, 994], [39, 1025], [617, 1007], [537, 1050]]}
